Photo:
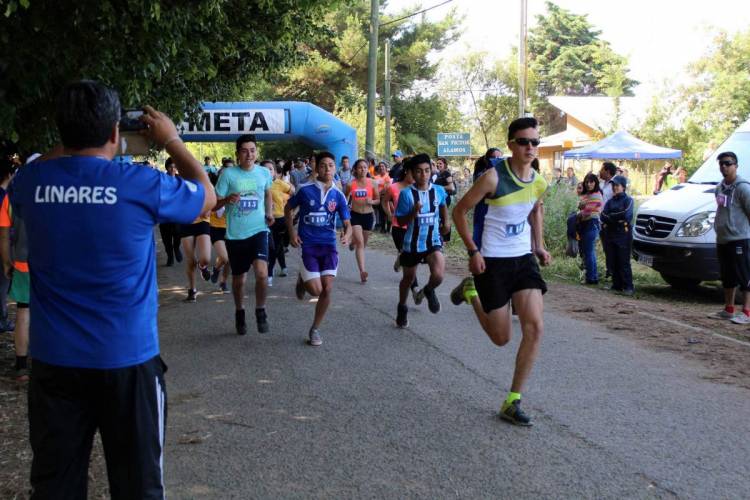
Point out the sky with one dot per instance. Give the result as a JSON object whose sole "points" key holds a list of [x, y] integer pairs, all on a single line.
{"points": [[659, 37]]}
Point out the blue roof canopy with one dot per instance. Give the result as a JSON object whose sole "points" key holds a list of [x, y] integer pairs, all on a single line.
{"points": [[622, 146]]}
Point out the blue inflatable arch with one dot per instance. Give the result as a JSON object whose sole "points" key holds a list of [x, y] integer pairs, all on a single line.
{"points": [[273, 121]]}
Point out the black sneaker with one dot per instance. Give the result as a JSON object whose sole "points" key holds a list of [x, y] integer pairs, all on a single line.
{"points": [[239, 322], [205, 273], [192, 293], [401, 320], [433, 304], [223, 287], [514, 414], [262, 319], [170, 261], [215, 274]]}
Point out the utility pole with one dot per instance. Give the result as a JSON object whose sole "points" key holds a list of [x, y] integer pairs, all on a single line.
{"points": [[372, 78], [387, 98], [522, 66]]}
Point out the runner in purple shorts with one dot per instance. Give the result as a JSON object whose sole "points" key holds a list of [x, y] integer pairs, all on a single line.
{"points": [[318, 201]]}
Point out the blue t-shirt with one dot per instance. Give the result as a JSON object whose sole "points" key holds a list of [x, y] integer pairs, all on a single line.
{"points": [[423, 233], [90, 227], [248, 216], [317, 213]]}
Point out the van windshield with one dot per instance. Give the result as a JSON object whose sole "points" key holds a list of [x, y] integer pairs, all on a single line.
{"points": [[739, 144]]}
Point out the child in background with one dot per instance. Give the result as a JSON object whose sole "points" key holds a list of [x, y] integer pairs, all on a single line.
{"points": [[590, 207], [617, 217]]}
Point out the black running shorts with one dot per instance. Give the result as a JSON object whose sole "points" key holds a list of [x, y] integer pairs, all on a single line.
{"points": [[192, 230], [734, 264], [218, 234], [504, 276], [409, 259], [242, 253], [367, 221]]}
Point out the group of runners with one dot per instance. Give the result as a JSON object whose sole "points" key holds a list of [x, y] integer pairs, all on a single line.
{"points": [[257, 212]]}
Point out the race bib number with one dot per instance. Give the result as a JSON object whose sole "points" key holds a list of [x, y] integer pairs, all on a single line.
{"points": [[318, 219], [248, 203], [514, 229], [360, 193], [426, 219], [722, 200]]}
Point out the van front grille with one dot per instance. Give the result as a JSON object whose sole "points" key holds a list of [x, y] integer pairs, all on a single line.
{"points": [[654, 226]]}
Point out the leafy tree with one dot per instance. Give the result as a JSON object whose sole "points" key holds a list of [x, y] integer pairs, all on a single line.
{"points": [[173, 54]]}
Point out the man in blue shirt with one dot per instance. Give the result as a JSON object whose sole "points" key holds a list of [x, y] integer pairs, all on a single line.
{"points": [[94, 338], [421, 207], [318, 203], [246, 191]]}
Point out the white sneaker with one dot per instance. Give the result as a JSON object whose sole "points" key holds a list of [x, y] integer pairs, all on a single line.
{"points": [[723, 314], [270, 281], [741, 319]]}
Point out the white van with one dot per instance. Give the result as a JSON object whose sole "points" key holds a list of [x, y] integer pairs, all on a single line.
{"points": [[674, 231]]}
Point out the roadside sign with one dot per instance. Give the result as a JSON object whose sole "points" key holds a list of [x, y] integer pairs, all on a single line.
{"points": [[454, 144]]}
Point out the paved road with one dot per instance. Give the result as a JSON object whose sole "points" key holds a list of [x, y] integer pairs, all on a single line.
{"points": [[382, 412]]}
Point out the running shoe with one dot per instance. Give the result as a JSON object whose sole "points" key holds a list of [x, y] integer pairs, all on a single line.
{"points": [[299, 288], [192, 293], [239, 322], [223, 287], [22, 375], [458, 294], [417, 295], [723, 314], [205, 273], [269, 280], [215, 274], [262, 319], [433, 304], [741, 319], [170, 261], [397, 264], [315, 339], [514, 414], [401, 316], [283, 273]]}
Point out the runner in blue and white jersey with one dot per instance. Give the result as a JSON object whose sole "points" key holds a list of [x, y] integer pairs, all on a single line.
{"points": [[318, 202], [421, 207]]}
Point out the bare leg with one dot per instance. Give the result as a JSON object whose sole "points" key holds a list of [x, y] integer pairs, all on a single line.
{"points": [[530, 307], [21, 333], [203, 249], [261, 282], [496, 324], [359, 248], [238, 290], [189, 251], [324, 300], [221, 254], [436, 262], [409, 273]]}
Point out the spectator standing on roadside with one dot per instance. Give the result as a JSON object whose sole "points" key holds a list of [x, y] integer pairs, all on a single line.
{"points": [[681, 175], [617, 217], [589, 208], [208, 166], [170, 232], [570, 178], [606, 173], [345, 173], [94, 339], [299, 175], [732, 226], [397, 170]]}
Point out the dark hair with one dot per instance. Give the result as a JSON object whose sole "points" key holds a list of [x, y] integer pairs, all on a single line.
{"points": [[610, 167], [521, 124], [266, 162], [86, 113], [214, 178], [445, 162], [279, 170], [490, 151], [591, 177], [243, 139], [206, 158], [344, 158], [411, 163], [362, 160], [727, 154], [323, 154], [169, 162]]}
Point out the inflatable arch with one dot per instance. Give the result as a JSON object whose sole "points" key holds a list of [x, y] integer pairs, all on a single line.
{"points": [[273, 121]]}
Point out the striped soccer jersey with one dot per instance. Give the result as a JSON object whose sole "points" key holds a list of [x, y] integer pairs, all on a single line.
{"points": [[423, 233]]}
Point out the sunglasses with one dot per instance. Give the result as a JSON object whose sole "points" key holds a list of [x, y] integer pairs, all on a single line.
{"points": [[726, 163], [523, 141]]}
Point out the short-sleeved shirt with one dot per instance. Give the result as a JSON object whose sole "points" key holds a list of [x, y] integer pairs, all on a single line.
{"points": [[92, 256], [317, 212], [280, 192], [422, 233], [247, 217]]}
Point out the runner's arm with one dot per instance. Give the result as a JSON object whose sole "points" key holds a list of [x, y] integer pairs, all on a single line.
{"points": [[346, 235], [268, 201], [5, 251], [536, 219], [387, 203], [445, 217], [482, 187]]}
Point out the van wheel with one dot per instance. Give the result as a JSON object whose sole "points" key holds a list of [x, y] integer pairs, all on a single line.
{"points": [[680, 283]]}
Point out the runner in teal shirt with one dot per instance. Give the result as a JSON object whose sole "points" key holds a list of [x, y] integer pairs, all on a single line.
{"points": [[247, 217]]}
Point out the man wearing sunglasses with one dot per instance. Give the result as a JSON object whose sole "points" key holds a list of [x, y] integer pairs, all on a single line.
{"points": [[506, 267], [732, 226]]}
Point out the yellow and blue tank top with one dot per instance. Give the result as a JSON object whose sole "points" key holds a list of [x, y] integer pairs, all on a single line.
{"points": [[506, 231]]}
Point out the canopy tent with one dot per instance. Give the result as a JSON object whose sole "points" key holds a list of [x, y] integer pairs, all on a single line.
{"points": [[622, 146]]}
